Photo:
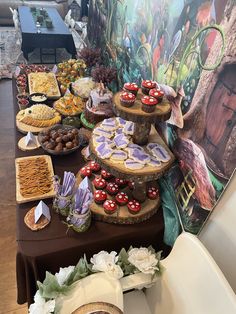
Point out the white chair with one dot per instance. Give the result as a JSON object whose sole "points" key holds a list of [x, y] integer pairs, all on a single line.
{"points": [[16, 22], [192, 283], [219, 233], [94, 288]]}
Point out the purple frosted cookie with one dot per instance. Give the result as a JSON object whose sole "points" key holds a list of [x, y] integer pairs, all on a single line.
{"points": [[121, 141], [104, 151], [119, 154], [132, 164], [139, 156]]}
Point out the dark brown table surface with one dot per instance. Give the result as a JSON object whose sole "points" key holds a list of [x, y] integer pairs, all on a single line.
{"points": [[54, 247]]}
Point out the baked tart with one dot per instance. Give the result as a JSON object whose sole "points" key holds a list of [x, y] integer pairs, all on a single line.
{"points": [[39, 116], [69, 105]]}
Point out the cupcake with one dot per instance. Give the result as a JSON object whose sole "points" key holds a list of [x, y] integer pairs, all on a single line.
{"points": [[147, 85], [131, 88], [152, 193], [85, 172], [99, 183], [121, 182], [109, 207], [94, 166], [122, 198], [134, 207], [99, 196], [106, 175], [156, 93], [127, 99], [112, 188], [148, 103]]}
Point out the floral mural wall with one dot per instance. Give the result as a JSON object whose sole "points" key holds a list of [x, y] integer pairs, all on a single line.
{"points": [[171, 41]]}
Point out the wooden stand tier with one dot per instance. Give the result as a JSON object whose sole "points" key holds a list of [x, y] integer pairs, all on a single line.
{"points": [[122, 215], [148, 173], [142, 120]]}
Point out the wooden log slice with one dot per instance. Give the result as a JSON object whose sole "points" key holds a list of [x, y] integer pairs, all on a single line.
{"points": [[122, 215], [136, 114], [147, 173]]}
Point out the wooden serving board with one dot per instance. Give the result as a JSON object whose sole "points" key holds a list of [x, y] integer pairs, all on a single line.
{"points": [[22, 145], [122, 215], [54, 81], [147, 173], [25, 128], [21, 199], [135, 113]]}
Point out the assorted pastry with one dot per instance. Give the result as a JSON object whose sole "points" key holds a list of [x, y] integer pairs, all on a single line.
{"points": [[39, 115], [59, 139], [34, 177], [69, 105], [112, 140], [69, 71], [45, 83]]}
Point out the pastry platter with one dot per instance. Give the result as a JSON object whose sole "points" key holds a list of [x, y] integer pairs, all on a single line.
{"points": [[46, 83], [34, 178]]}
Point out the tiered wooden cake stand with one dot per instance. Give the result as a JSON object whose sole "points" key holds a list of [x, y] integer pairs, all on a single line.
{"points": [[144, 132]]}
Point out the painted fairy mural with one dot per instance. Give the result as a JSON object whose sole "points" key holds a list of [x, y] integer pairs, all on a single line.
{"points": [[185, 46]]}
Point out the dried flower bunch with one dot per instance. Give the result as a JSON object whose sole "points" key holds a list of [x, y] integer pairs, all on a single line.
{"points": [[90, 56], [104, 74]]}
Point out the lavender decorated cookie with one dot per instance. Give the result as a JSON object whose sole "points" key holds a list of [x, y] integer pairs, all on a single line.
{"points": [[119, 131], [139, 156], [132, 164], [121, 121], [150, 146], [110, 120], [101, 131], [102, 139], [154, 162], [121, 141], [129, 128], [134, 146], [119, 154], [104, 151], [109, 124], [160, 153]]}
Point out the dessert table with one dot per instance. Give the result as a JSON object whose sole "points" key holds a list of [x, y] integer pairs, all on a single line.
{"points": [[58, 36], [54, 247]]}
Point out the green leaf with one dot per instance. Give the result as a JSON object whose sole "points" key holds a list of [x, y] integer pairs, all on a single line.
{"points": [[50, 288], [81, 270]]}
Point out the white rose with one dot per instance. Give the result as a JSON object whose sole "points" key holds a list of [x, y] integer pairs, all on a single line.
{"points": [[143, 259], [105, 262], [40, 306], [64, 274]]}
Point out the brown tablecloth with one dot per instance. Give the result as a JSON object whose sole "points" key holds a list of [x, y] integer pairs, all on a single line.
{"points": [[54, 247]]}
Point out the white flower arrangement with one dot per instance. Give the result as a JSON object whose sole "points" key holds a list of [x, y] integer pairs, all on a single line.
{"points": [[144, 260]]}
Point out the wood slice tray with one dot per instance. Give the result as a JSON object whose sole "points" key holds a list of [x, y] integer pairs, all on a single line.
{"points": [[25, 128], [98, 307], [136, 114], [122, 215], [147, 173], [21, 199]]}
